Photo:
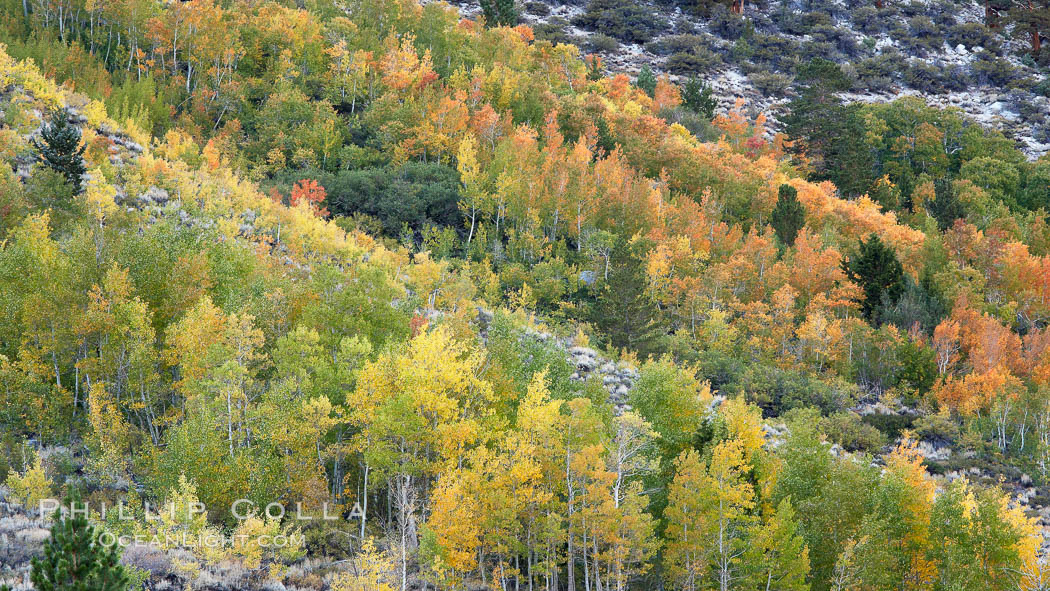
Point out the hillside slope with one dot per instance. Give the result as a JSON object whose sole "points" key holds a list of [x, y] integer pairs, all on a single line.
{"points": [[942, 51], [512, 321]]}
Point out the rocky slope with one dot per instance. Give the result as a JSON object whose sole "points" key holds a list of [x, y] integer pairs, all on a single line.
{"points": [[938, 49]]}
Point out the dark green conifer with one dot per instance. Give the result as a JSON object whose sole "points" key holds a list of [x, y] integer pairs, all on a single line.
{"points": [[624, 310], [876, 269], [61, 149], [828, 129], [945, 206], [646, 80], [75, 558], [699, 98], [499, 13], [788, 216]]}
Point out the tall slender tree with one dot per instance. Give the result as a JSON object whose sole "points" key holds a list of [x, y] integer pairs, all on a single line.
{"points": [[646, 80], [788, 216], [826, 128], [777, 557], [624, 309], [945, 206]]}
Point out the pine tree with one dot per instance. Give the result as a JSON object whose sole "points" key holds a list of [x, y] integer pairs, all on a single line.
{"points": [[1031, 20], [595, 67], [827, 128], [699, 98], [499, 13], [646, 80], [788, 216], [877, 271], [74, 558], [61, 149], [624, 310], [945, 206]]}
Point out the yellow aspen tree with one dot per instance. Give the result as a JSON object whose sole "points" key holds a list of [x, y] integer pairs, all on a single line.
{"points": [[189, 341], [418, 410], [31, 486], [40, 294], [536, 457], [709, 518], [99, 201], [731, 500], [110, 435], [744, 423], [117, 331], [777, 557], [687, 552], [371, 570], [582, 434], [905, 501], [476, 200]]}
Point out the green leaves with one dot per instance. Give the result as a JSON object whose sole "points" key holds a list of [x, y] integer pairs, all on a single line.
{"points": [[699, 98], [973, 542], [777, 556], [828, 131]]}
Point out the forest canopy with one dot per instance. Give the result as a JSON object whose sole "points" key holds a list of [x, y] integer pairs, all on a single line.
{"points": [[516, 321]]}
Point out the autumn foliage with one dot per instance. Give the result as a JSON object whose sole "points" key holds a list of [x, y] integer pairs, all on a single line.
{"points": [[214, 319]]}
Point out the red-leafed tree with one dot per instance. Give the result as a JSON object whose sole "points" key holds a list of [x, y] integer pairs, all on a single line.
{"points": [[311, 192]]}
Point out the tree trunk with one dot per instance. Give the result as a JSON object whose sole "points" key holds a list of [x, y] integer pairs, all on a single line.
{"points": [[473, 219], [990, 15], [586, 565], [364, 507]]}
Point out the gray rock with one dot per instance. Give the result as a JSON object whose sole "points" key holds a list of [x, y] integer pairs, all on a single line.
{"points": [[485, 317], [583, 352], [154, 194]]}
